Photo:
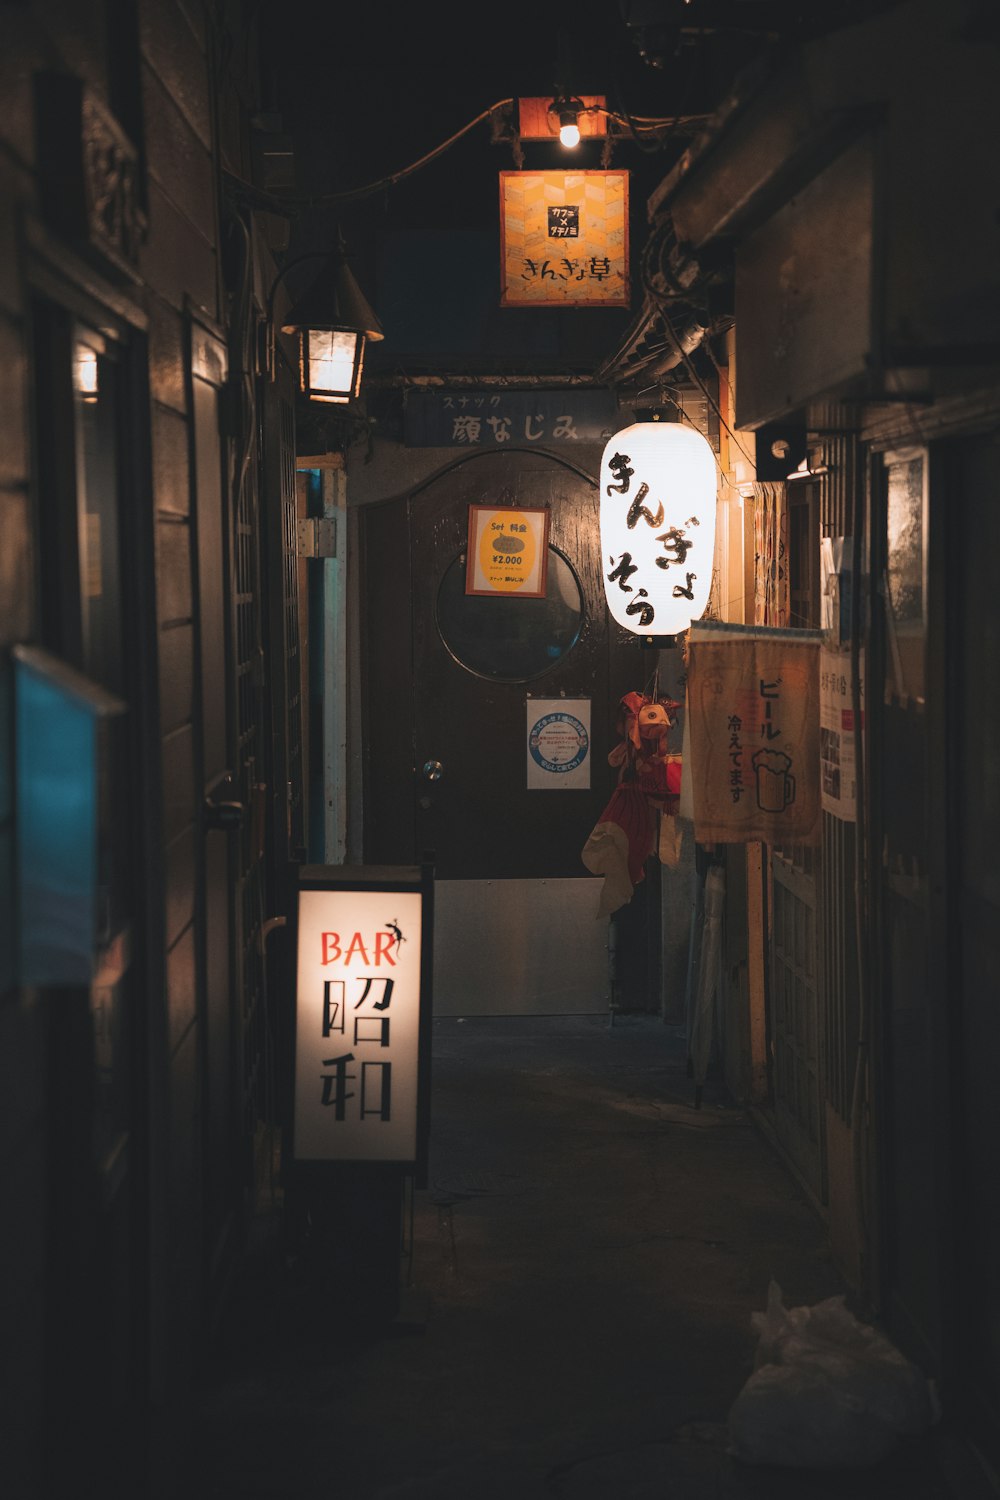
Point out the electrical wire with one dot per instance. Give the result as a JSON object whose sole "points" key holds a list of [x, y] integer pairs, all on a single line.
{"points": [[659, 298], [393, 177], [672, 334], [649, 124]]}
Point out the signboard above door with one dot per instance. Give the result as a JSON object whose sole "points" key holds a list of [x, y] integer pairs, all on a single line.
{"points": [[485, 418], [564, 239]]}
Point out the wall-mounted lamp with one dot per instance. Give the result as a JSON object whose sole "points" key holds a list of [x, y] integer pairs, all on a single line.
{"points": [[334, 322], [85, 372]]}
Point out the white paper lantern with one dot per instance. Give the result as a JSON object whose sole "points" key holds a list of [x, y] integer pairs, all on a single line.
{"points": [[657, 526]]}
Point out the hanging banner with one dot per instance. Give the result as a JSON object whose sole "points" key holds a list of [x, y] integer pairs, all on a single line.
{"points": [[564, 239], [838, 775], [753, 701], [558, 744]]}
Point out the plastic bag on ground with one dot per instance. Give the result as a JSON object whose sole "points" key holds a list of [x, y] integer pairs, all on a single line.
{"points": [[827, 1391]]}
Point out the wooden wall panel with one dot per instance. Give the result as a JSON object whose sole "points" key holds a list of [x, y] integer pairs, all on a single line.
{"points": [[14, 406], [171, 484], [166, 355], [17, 65], [181, 987], [17, 601], [176, 675], [173, 570], [178, 260], [176, 158], [80, 33], [14, 187], [178, 271], [194, 13], [178, 781], [180, 885], [177, 56]]}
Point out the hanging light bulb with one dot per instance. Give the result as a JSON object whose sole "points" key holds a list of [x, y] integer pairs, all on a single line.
{"points": [[568, 112], [569, 128]]}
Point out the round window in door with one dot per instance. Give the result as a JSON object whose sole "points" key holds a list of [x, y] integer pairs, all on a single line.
{"points": [[507, 638]]}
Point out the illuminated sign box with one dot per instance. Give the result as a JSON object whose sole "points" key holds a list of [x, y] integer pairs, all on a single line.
{"points": [[564, 239], [361, 1072]]}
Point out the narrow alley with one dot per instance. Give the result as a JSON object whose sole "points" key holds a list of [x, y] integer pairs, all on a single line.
{"points": [[575, 1315], [499, 759]]}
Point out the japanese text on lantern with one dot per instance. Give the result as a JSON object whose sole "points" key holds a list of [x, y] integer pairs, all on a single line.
{"points": [[673, 540], [657, 526]]}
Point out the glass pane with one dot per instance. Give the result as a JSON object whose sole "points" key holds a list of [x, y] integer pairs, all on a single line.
{"points": [[94, 388], [331, 364], [507, 638]]}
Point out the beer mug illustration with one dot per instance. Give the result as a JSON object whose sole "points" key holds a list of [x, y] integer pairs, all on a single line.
{"points": [[775, 787]]}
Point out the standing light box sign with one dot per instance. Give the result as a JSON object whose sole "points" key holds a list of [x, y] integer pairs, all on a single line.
{"points": [[658, 498], [358, 1031]]}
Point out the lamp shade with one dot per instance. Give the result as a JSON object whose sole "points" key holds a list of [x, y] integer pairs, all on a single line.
{"points": [[333, 321], [658, 495]]}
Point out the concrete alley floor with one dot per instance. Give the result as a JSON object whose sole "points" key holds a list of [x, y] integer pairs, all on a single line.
{"points": [[583, 1267]]}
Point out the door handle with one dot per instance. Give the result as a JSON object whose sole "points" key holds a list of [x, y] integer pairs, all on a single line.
{"points": [[222, 815], [433, 770], [220, 808]]}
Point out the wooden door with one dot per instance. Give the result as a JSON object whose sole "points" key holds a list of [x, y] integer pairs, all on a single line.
{"points": [[451, 684]]}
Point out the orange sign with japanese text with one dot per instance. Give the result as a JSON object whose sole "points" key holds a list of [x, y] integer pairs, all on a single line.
{"points": [[508, 551], [564, 239]]}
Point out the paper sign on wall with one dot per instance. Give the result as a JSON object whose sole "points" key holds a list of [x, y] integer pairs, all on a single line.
{"points": [[838, 773], [508, 551], [558, 744]]}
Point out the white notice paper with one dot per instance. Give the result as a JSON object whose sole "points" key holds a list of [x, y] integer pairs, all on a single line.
{"points": [[558, 744]]}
